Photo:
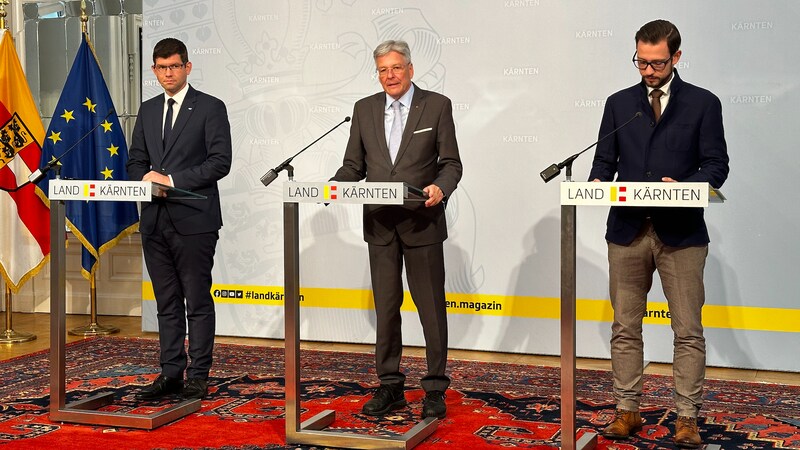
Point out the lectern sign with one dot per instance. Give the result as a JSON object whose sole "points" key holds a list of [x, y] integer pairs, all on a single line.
{"points": [[338, 192], [635, 194], [100, 190]]}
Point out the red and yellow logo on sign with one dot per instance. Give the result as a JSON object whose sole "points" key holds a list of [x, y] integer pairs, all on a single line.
{"points": [[618, 196], [329, 192], [88, 190]]}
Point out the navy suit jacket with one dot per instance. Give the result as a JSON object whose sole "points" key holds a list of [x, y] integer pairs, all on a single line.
{"points": [[687, 144], [428, 154], [197, 155]]}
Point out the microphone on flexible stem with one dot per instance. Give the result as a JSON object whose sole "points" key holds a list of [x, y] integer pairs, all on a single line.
{"points": [[272, 174], [40, 173], [555, 169], [269, 177]]}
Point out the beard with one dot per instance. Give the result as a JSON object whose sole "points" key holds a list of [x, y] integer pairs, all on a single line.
{"points": [[655, 81]]}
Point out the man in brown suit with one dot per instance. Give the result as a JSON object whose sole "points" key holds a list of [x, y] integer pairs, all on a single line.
{"points": [[405, 134]]}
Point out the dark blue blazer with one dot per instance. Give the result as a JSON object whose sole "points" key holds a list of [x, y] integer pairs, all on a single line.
{"points": [[197, 155], [687, 144]]}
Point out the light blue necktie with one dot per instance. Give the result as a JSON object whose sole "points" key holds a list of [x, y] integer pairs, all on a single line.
{"points": [[396, 133]]}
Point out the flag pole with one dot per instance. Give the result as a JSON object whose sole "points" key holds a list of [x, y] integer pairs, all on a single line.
{"points": [[84, 17], [94, 328], [3, 14], [9, 336]]}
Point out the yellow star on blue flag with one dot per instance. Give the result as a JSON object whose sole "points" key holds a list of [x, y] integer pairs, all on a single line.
{"points": [[87, 108], [55, 137], [89, 105]]}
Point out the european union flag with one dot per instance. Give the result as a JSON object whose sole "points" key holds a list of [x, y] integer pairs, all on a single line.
{"points": [[85, 104]]}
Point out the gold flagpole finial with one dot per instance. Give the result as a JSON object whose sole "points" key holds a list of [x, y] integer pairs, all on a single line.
{"points": [[84, 17], [3, 14]]}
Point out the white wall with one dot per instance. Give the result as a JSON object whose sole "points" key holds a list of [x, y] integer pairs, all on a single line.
{"points": [[528, 79]]}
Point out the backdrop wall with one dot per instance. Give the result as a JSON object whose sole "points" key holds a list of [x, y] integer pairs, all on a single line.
{"points": [[528, 80]]}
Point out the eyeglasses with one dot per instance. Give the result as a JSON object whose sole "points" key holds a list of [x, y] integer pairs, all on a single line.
{"points": [[396, 70], [163, 69], [642, 64]]}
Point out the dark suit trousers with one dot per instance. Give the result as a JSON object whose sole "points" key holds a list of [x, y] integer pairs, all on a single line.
{"points": [[180, 268], [425, 274]]}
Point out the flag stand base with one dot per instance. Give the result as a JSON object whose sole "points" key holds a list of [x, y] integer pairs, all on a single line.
{"points": [[15, 337], [9, 336], [94, 329]]}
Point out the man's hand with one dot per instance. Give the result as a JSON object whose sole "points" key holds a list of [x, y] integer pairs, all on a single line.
{"points": [[668, 180], [156, 177], [435, 195]]}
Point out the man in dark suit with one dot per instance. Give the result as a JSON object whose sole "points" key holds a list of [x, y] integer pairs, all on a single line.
{"points": [[181, 139], [683, 140], [405, 134]]}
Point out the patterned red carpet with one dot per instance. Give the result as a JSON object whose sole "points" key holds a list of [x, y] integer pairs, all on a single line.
{"points": [[491, 405]]}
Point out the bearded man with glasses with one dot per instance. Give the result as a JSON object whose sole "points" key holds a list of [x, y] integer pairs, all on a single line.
{"points": [[682, 141]]}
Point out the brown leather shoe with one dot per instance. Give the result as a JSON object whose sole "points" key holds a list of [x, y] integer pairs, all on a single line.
{"points": [[686, 435], [625, 424]]}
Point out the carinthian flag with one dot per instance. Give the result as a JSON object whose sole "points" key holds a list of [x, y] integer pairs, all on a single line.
{"points": [[24, 215], [85, 104]]}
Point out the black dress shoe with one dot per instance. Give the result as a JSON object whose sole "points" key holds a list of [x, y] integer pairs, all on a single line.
{"points": [[433, 405], [162, 387], [387, 398], [195, 388]]}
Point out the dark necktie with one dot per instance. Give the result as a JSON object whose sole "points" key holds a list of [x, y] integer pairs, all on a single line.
{"points": [[656, 94], [168, 121]]}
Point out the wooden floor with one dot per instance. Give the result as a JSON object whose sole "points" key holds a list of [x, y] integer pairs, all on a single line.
{"points": [[39, 324]]}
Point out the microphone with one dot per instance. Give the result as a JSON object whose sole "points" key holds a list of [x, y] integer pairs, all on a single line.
{"points": [[40, 173], [272, 174], [555, 169], [269, 177]]}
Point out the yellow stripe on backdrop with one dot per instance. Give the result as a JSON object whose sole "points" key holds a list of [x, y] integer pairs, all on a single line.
{"points": [[714, 316]]}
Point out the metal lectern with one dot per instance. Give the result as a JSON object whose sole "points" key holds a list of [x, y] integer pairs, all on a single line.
{"points": [[85, 411], [604, 194], [311, 431]]}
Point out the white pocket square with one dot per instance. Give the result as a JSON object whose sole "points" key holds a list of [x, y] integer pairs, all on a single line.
{"points": [[424, 130]]}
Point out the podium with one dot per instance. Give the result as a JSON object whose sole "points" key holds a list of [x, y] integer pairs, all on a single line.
{"points": [[85, 411], [311, 431], [575, 194]]}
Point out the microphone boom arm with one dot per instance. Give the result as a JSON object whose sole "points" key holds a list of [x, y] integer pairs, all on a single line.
{"points": [[555, 169], [38, 174], [272, 174]]}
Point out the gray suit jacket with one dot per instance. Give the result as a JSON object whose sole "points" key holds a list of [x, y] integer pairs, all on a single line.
{"points": [[428, 155]]}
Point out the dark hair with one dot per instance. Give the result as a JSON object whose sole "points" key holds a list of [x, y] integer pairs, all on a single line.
{"points": [[168, 47], [659, 30]]}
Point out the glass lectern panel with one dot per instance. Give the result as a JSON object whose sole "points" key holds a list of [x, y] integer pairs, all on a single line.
{"points": [[164, 191]]}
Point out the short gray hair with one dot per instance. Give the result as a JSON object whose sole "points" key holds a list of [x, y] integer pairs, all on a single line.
{"points": [[393, 46]]}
